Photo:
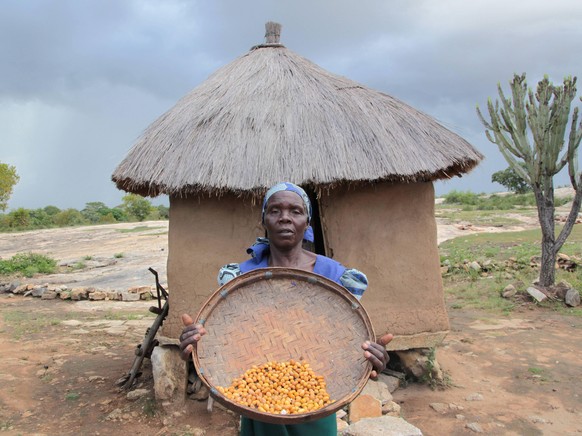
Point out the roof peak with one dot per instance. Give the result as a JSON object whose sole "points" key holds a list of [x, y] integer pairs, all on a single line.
{"points": [[272, 32], [272, 36]]}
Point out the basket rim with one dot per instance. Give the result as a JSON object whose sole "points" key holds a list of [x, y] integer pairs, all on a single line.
{"points": [[281, 273]]}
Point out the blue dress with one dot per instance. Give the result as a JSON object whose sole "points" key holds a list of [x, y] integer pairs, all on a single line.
{"points": [[353, 280]]}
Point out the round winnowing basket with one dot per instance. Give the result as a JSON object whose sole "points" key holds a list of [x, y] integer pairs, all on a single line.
{"points": [[278, 314]]}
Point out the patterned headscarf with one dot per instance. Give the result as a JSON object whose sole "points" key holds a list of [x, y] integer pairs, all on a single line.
{"points": [[288, 186]]}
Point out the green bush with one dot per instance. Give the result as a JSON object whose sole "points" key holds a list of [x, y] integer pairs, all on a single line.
{"points": [[471, 201], [462, 197], [69, 217], [28, 264]]}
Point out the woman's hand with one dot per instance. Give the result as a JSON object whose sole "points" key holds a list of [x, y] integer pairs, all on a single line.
{"points": [[377, 354], [190, 336]]}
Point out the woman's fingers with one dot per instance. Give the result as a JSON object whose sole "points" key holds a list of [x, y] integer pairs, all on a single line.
{"points": [[190, 336], [187, 320], [385, 340], [376, 353]]}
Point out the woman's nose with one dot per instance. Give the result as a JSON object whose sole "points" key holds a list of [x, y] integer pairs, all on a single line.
{"points": [[285, 216]]}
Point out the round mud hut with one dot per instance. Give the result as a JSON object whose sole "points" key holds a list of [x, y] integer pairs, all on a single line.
{"points": [[367, 160]]}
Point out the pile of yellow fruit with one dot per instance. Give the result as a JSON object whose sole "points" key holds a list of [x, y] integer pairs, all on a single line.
{"points": [[279, 387]]}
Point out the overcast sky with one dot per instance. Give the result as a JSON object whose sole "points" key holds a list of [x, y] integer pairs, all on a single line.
{"points": [[81, 79]]}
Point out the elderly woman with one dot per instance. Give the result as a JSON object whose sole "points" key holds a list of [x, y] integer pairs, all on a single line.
{"points": [[286, 216]]}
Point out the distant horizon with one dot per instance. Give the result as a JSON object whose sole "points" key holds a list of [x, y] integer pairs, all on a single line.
{"points": [[163, 200]]}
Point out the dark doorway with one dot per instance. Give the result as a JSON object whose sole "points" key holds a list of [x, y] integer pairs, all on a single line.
{"points": [[318, 246]]}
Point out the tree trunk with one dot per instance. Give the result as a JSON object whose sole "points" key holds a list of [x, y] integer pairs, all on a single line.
{"points": [[545, 204]]}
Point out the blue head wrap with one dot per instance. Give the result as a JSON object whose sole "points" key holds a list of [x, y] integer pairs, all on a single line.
{"points": [[288, 186]]}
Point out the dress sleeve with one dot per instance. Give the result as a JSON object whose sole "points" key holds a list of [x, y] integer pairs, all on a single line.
{"points": [[354, 281], [228, 272]]}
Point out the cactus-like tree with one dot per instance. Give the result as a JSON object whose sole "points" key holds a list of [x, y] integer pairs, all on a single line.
{"points": [[538, 138]]}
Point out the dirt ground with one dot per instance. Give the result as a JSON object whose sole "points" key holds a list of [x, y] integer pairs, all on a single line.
{"points": [[59, 360]]}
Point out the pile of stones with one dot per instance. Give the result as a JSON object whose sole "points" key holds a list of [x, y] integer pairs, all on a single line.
{"points": [[63, 292]]}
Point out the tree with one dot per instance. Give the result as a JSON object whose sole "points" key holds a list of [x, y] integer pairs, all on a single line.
{"points": [[94, 210], [69, 217], [530, 130], [511, 180], [137, 206], [8, 178]]}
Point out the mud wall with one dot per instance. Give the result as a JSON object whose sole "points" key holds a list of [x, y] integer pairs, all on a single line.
{"points": [[386, 231], [204, 234], [389, 233]]}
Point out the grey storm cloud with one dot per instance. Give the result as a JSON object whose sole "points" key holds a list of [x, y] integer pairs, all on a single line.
{"points": [[81, 79]]}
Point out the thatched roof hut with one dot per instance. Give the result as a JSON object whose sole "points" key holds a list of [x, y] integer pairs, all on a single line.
{"points": [[272, 115], [368, 160]]}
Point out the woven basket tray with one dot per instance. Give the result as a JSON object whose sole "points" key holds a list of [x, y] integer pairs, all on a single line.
{"points": [[278, 314]]}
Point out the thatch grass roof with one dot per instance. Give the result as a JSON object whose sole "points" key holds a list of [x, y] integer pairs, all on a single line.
{"points": [[272, 115]]}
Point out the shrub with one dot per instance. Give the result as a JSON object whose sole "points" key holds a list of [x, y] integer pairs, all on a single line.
{"points": [[28, 264]]}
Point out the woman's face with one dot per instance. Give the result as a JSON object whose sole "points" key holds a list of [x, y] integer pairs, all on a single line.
{"points": [[285, 219]]}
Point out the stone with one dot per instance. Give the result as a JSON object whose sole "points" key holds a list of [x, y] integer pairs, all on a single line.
{"points": [[340, 414], [412, 362], [383, 426], [170, 374], [475, 266], [561, 289], [444, 269], [139, 289], [71, 323], [112, 295], [65, 295], [342, 426], [392, 382], [364, 406], [378, 390], [136, 394], [37, 291], [475, 397], [509, 291], [49, 295], [20, 289], [97, 295], [128, 296], [572, 298], [114, 415], [391, 408], [201, 394], [441, 408], [96, 378], [78, 294], [475, 427], [536, 294], [416, 363]]}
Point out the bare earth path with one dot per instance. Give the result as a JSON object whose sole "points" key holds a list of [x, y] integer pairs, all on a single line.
{"points": [[517, 375]]}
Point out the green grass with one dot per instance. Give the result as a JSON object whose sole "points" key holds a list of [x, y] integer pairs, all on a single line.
{"points": [[26, 323], [118, 255], [482, 218], [28, 264], [507, 258], [79, 265], [473, 201], [72, 396], [128, 316]]}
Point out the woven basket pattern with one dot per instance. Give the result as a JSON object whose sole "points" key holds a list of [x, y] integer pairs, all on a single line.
{"points": [[277, 314]]}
